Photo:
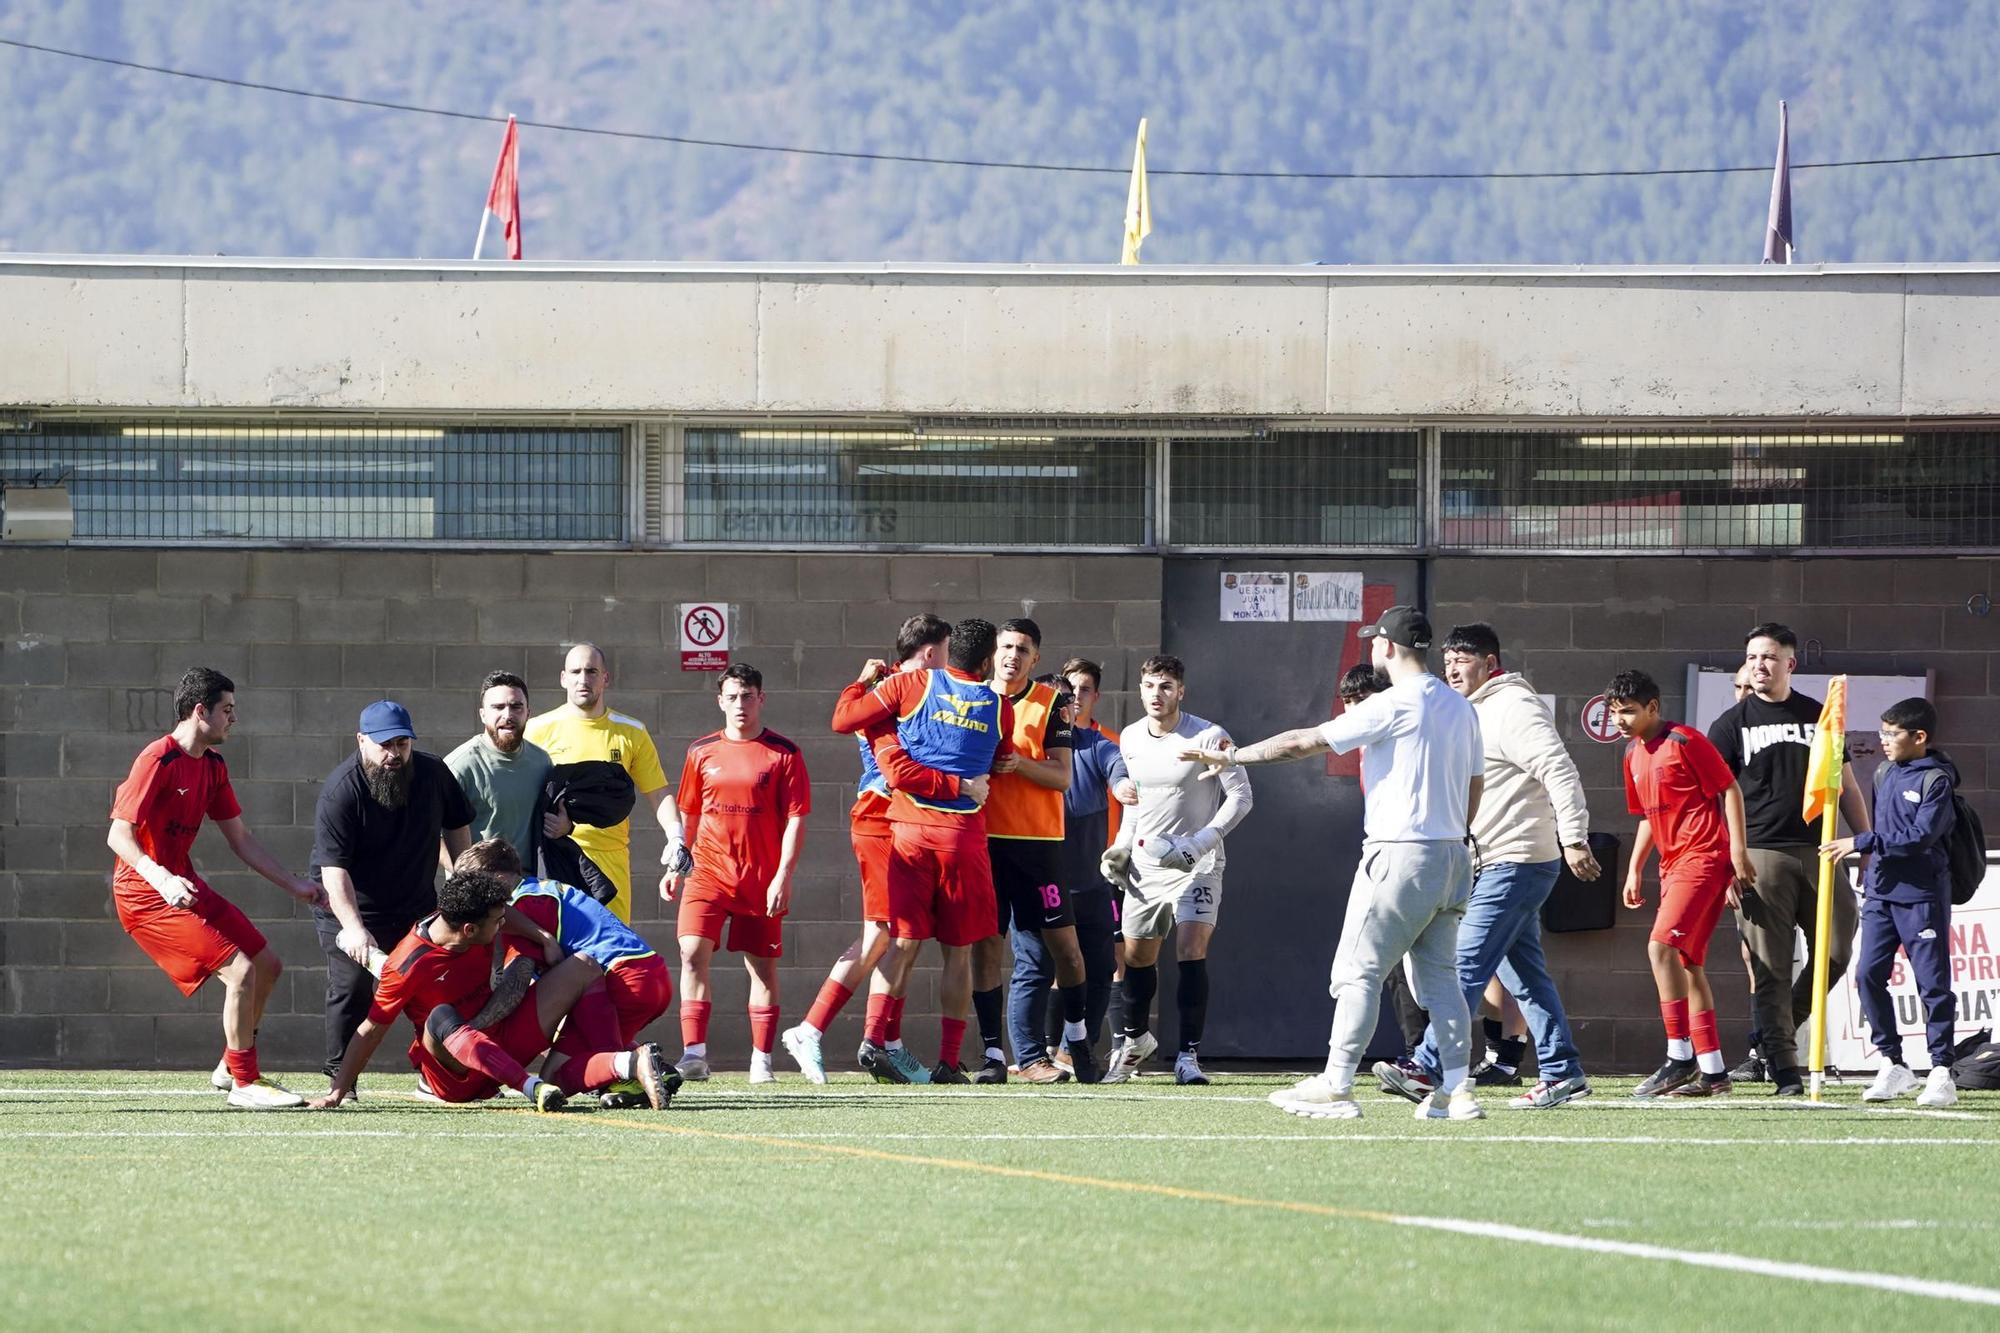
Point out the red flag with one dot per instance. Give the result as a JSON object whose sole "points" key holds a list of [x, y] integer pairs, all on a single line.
{"points": [[503, 199]]}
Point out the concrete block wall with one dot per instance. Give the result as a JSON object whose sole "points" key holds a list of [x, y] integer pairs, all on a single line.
{"points": [[1569, 624], [94, 640]]}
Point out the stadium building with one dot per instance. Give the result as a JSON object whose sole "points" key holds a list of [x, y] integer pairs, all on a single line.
{"points": [[338, 481]]}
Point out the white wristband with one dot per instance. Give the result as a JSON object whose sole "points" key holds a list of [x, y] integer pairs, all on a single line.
{"points": [[152, 872]]}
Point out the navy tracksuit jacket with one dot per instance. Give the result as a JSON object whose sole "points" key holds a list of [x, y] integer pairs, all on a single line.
{"points": [[1906, 901]]}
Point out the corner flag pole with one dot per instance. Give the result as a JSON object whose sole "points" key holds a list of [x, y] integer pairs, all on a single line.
{"points": [[1823, 787]]}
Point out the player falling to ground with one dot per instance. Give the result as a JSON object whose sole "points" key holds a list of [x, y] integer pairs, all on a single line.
{"points": [[189, 929], [940, 881], [1690, 808], [920, 646], [1169, 856], [744, 799], [636, 979], [474, 1037], [1024, 838]]}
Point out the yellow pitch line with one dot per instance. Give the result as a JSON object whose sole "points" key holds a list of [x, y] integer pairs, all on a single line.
{"points": [[1011, 1172]]}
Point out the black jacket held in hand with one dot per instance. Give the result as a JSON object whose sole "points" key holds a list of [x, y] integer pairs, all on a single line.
{"points": [[595, 792]]}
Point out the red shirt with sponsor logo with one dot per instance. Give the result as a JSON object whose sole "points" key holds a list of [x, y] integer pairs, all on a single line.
{"points": [[164, 798], [419, 976], [741, 793]]}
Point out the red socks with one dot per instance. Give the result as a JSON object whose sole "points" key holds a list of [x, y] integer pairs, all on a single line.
{"points": [[827, 1005], [1674, 1013], [877, 1027], [694, 1022], [896, 1003], [951, 1040], [763, 1027], [599, 1069], [1703, 1028], [242, 1065], [477, 1051]]}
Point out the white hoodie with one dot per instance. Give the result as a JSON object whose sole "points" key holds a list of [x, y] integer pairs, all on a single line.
{"points": [[1533, 804]]}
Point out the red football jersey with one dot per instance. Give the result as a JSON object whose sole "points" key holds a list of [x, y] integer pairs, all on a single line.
{"points": [[419, 976], [1673, 780], [741, 792], [165, 798]]}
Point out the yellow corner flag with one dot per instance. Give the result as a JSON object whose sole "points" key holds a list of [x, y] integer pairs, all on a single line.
{"points": [[1828, 750], [1823, 765], [1138, 205]]}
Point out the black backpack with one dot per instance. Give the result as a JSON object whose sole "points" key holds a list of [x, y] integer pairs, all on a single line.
{"points": [[1964, 846]]}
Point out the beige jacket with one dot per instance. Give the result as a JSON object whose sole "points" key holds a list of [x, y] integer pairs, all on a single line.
{"points": [[1533, 804]]}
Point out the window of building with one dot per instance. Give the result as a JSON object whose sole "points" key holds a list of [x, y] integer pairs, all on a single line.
{"points": [[1697, 490], [1323, 488], [392, 484], [822, 486]]}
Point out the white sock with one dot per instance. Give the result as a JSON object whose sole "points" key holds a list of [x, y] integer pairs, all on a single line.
{"points": [[1074, 1032], [1710, 1062], [995, 1053], [697, 1051], [895, 1044], [625, 1064], [1454, 1078], [1680, 1048], [760, 1062]]}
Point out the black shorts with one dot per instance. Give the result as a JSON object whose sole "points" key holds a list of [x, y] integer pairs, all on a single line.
{"points": [[1027, 884]]}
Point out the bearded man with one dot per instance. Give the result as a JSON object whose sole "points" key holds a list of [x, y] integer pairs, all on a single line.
{"points": [[376, 832], [501, 773]]}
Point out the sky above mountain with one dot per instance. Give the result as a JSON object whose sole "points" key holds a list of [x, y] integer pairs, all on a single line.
{"points": [[102, 159]]}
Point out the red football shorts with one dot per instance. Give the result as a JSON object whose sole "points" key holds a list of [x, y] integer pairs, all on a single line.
{"points": [[640, 989], [1691, 901], [941, 884], [871, 853], [749, 932], [519, 1034], [189, 943]]}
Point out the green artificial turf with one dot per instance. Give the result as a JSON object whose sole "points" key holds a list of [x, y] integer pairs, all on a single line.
{"points": [[853, 1206]]}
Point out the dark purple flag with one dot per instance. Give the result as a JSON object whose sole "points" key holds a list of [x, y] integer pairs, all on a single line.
{"points": [[1778, 227]]}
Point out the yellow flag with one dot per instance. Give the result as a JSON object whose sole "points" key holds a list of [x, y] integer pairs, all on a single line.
{"points": [[1138, 206], [1828, 751]]}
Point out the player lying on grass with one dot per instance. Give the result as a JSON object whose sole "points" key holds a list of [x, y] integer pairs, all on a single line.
{"points": [[472, 1036]]}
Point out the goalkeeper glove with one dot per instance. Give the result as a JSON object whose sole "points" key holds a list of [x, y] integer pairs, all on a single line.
{"points": [[1184, 851], [675, 856], [1116, 866]]}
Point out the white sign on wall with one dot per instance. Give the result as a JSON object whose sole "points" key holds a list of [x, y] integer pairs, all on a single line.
{"points": [[1326, 596], [1256, 596]]}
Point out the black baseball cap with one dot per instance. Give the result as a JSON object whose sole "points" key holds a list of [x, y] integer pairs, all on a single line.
{"points": [[1401, 624]]}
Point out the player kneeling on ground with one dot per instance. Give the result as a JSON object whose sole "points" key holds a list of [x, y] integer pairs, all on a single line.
{"points": [[636, 979], [473, 1037]]}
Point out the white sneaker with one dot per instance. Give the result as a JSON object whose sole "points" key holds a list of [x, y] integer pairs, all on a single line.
{"points": [[1939, 1090], [1126, 1054], [222, 1080], [693, 1068], [1317, 1099], [802, 1042], [1894, 1081], [264, 1095], [1459, 1105], [763, 1075]]}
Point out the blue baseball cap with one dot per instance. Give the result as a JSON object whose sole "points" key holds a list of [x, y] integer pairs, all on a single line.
{"points": [[385, 721]]}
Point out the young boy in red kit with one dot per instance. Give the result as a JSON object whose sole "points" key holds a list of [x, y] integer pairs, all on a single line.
{"points": [[1690, 808]]}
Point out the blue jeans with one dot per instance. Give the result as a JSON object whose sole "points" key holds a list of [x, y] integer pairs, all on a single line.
{"points": [[1028, 996], [1502, 935]]}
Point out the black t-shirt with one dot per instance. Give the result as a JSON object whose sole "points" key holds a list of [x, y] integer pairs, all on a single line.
{"points": [[1767, 746], [392, 855], [1057, 734]]}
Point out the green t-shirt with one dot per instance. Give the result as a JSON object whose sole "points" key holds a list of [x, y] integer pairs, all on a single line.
{"points": [[504, 790]]}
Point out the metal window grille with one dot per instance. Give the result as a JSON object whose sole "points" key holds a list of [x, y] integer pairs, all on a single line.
{"points": [[379, 483], [815, 486], [1648, 490], [1301, 489]]}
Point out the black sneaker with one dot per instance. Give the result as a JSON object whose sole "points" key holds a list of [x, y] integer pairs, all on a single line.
{"points": [[1708, 1085], [1493, 1076], [1750, 1071], [1790, 1083], [1083, 1061], [1673, 1074], [875, 1062], [945, 1073], [993, 1071]]}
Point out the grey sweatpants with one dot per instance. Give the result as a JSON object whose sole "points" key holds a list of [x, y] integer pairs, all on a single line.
{"points": [[1408, 898], [1787, 895]]}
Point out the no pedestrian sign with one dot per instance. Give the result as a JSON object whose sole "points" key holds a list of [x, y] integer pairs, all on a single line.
{"points": [[1597, 723], [704, 636]]}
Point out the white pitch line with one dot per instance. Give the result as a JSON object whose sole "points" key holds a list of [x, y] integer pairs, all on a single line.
{"points": [[276, 1134], [1467, 1140], [1733, 1263]]}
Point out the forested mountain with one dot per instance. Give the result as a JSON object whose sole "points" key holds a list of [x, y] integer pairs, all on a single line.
{"points": [[94, 158]]}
